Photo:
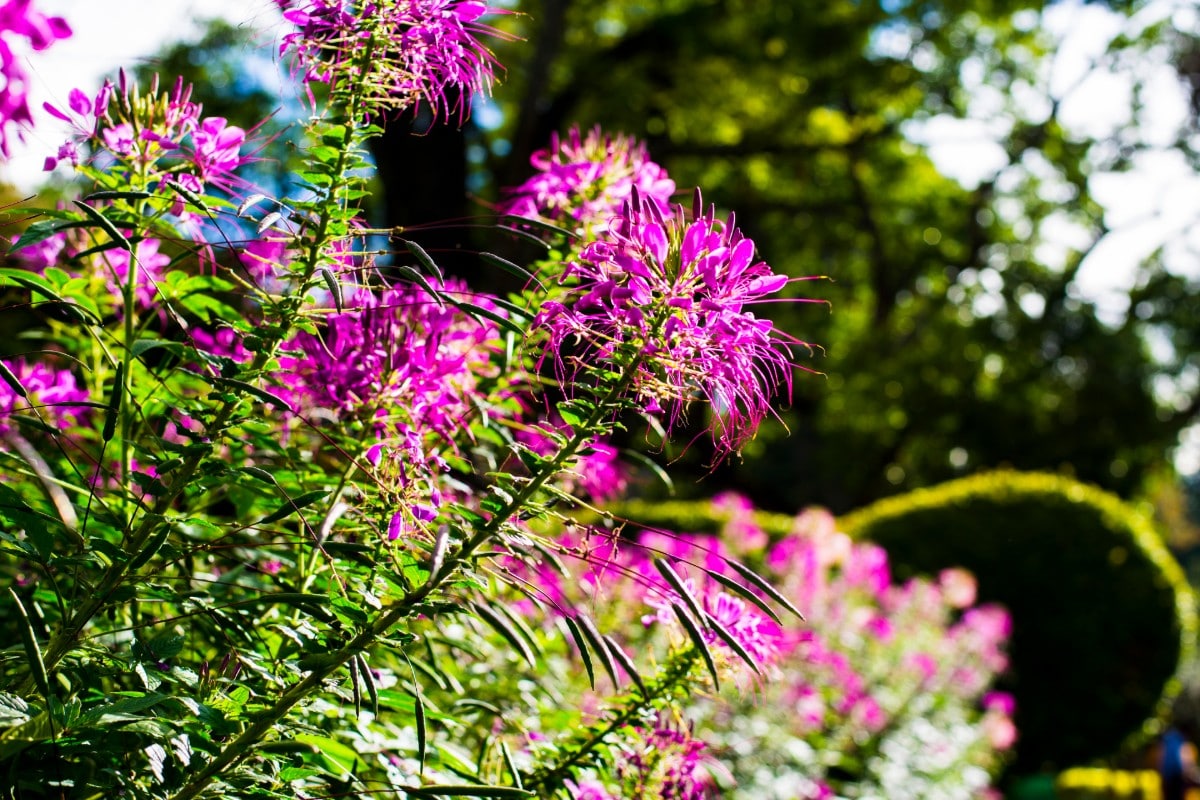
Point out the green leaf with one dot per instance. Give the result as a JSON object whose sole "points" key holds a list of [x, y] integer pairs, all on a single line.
{"points": [[762, 583], [143, 346], [34, 731], [744, 593], [511, 268], [254, 391], [126, 709], [13, 710], [33, 653], [502, 627], [40, 231], [569, 411], [693, 632], [338, 758], [653, 466]]}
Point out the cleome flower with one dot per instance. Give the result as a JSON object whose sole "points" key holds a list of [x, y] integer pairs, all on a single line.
{"points": [[394, 359], [415, 51], [18, 20], [665, 299], [585, 181], [50, 394]]}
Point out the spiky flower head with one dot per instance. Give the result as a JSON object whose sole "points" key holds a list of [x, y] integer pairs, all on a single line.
{"points": [[582, 182], [398, 359], [156, 136], [665, 299], [406, 52]]}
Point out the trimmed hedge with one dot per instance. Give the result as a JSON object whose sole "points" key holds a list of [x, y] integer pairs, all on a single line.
{"points": [[1083, 783], [1102, 614]]}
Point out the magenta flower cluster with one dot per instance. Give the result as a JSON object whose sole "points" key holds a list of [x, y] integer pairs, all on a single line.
{"points": [[408, 52], [667, 297], [157, 135], [19, 20], [399, 360], [50, 395], [584, 181]]}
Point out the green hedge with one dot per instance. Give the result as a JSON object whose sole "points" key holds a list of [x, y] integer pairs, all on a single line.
{"points": [[1102, 613]]}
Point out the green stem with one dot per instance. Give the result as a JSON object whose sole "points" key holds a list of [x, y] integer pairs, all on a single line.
{"points": [[579, 747], [405, 607], [117, 573]]}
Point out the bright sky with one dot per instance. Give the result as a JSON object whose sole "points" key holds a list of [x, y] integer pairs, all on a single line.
{"points": [[109, 35], [1157, 203]]}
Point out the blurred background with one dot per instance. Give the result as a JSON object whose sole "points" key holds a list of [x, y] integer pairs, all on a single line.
{"points": [[1001, 198]]}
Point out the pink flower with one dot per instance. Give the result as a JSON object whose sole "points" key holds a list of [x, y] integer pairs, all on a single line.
{"points": [[18, 20], [666, 298], [958, 587], [217, 149], [51, 395], [586, 181], [417, 51]]}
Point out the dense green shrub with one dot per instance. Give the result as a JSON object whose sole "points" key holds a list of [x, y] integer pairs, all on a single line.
{"points": [[1102, 614]]}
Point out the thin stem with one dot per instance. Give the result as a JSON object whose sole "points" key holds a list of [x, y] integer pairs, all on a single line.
{"points": [[577, 749]]}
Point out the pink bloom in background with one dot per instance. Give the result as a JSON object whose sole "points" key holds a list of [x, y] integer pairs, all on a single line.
{"points": [[19, 21], [958, 587], [585, 181], [51, 395], [420, 51], [669, 758], [668, 298], [588, 790]]}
